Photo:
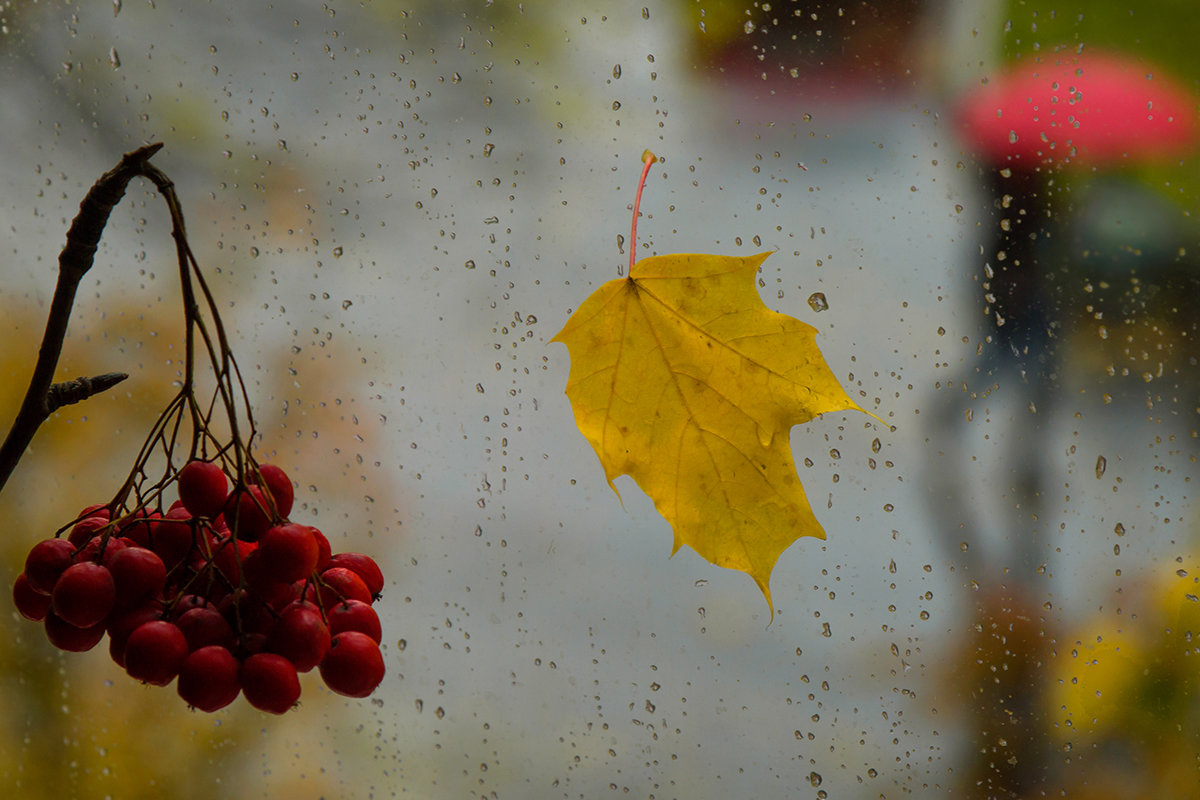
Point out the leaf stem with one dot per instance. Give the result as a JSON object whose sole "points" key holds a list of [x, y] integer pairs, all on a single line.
{"points": [[648, 158]]}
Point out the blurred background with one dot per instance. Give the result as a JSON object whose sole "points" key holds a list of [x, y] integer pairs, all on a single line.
{"points": [[398, 204]]}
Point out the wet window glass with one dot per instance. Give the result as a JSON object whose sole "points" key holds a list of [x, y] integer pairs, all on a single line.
{"points": [[342, 425]]}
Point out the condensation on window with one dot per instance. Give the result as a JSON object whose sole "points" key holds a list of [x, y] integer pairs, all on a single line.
{"points": [[984, 210]]}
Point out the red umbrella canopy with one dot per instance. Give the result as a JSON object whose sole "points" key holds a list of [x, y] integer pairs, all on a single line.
{"points": [[1088, 111]]}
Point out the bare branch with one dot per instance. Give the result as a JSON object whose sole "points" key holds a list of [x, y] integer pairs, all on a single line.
{"points": [[73, 263]]}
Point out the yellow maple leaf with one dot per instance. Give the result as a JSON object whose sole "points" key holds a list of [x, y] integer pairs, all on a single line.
{"points": [[684, 380]]}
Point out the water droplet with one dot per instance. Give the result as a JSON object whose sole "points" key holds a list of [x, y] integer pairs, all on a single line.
{"points": [[1101, 464], [817, 301]]}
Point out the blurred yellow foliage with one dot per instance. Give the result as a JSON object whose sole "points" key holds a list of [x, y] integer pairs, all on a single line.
{"points": [[1123, 702]]}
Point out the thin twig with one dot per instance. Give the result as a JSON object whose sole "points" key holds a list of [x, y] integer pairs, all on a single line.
{"points": [[68, 393]]}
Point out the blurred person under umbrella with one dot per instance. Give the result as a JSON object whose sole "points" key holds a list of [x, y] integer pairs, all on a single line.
{"points": [[1072, 237]]}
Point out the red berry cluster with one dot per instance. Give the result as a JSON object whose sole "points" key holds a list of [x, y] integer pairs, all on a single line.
{"points": [[220, 590]]}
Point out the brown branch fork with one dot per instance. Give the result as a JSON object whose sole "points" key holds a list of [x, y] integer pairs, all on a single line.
{"points": [[44, 397]]}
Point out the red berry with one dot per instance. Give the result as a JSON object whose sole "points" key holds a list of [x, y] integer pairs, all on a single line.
{"points": [[250, 644], [269, 682], [259, 580], [354, 665], [247, 514], [137, 573], [203, 488], [124, 623], [364, 566], [66, 636], [289, 552], [280, 487], [339, 583], [355, 615], [154, 652], [186, 602], [172, 538], [300, 636], [324, 551], [138, 525], [97, 544], [46, 561], [84, 594], [230, 555], [204, 626], [30, 604], [247, 612], [95, 510], [85, 529], [114, 545], [208, 678]]}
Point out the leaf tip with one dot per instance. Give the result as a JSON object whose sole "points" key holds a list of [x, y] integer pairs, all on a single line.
{"points": [[766, 590]]}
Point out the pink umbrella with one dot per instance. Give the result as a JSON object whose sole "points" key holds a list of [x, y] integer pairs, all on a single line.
{"points": [[1085, 110]]}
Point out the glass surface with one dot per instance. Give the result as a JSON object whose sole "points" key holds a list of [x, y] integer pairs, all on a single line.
{"points": [[397, 206]]}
